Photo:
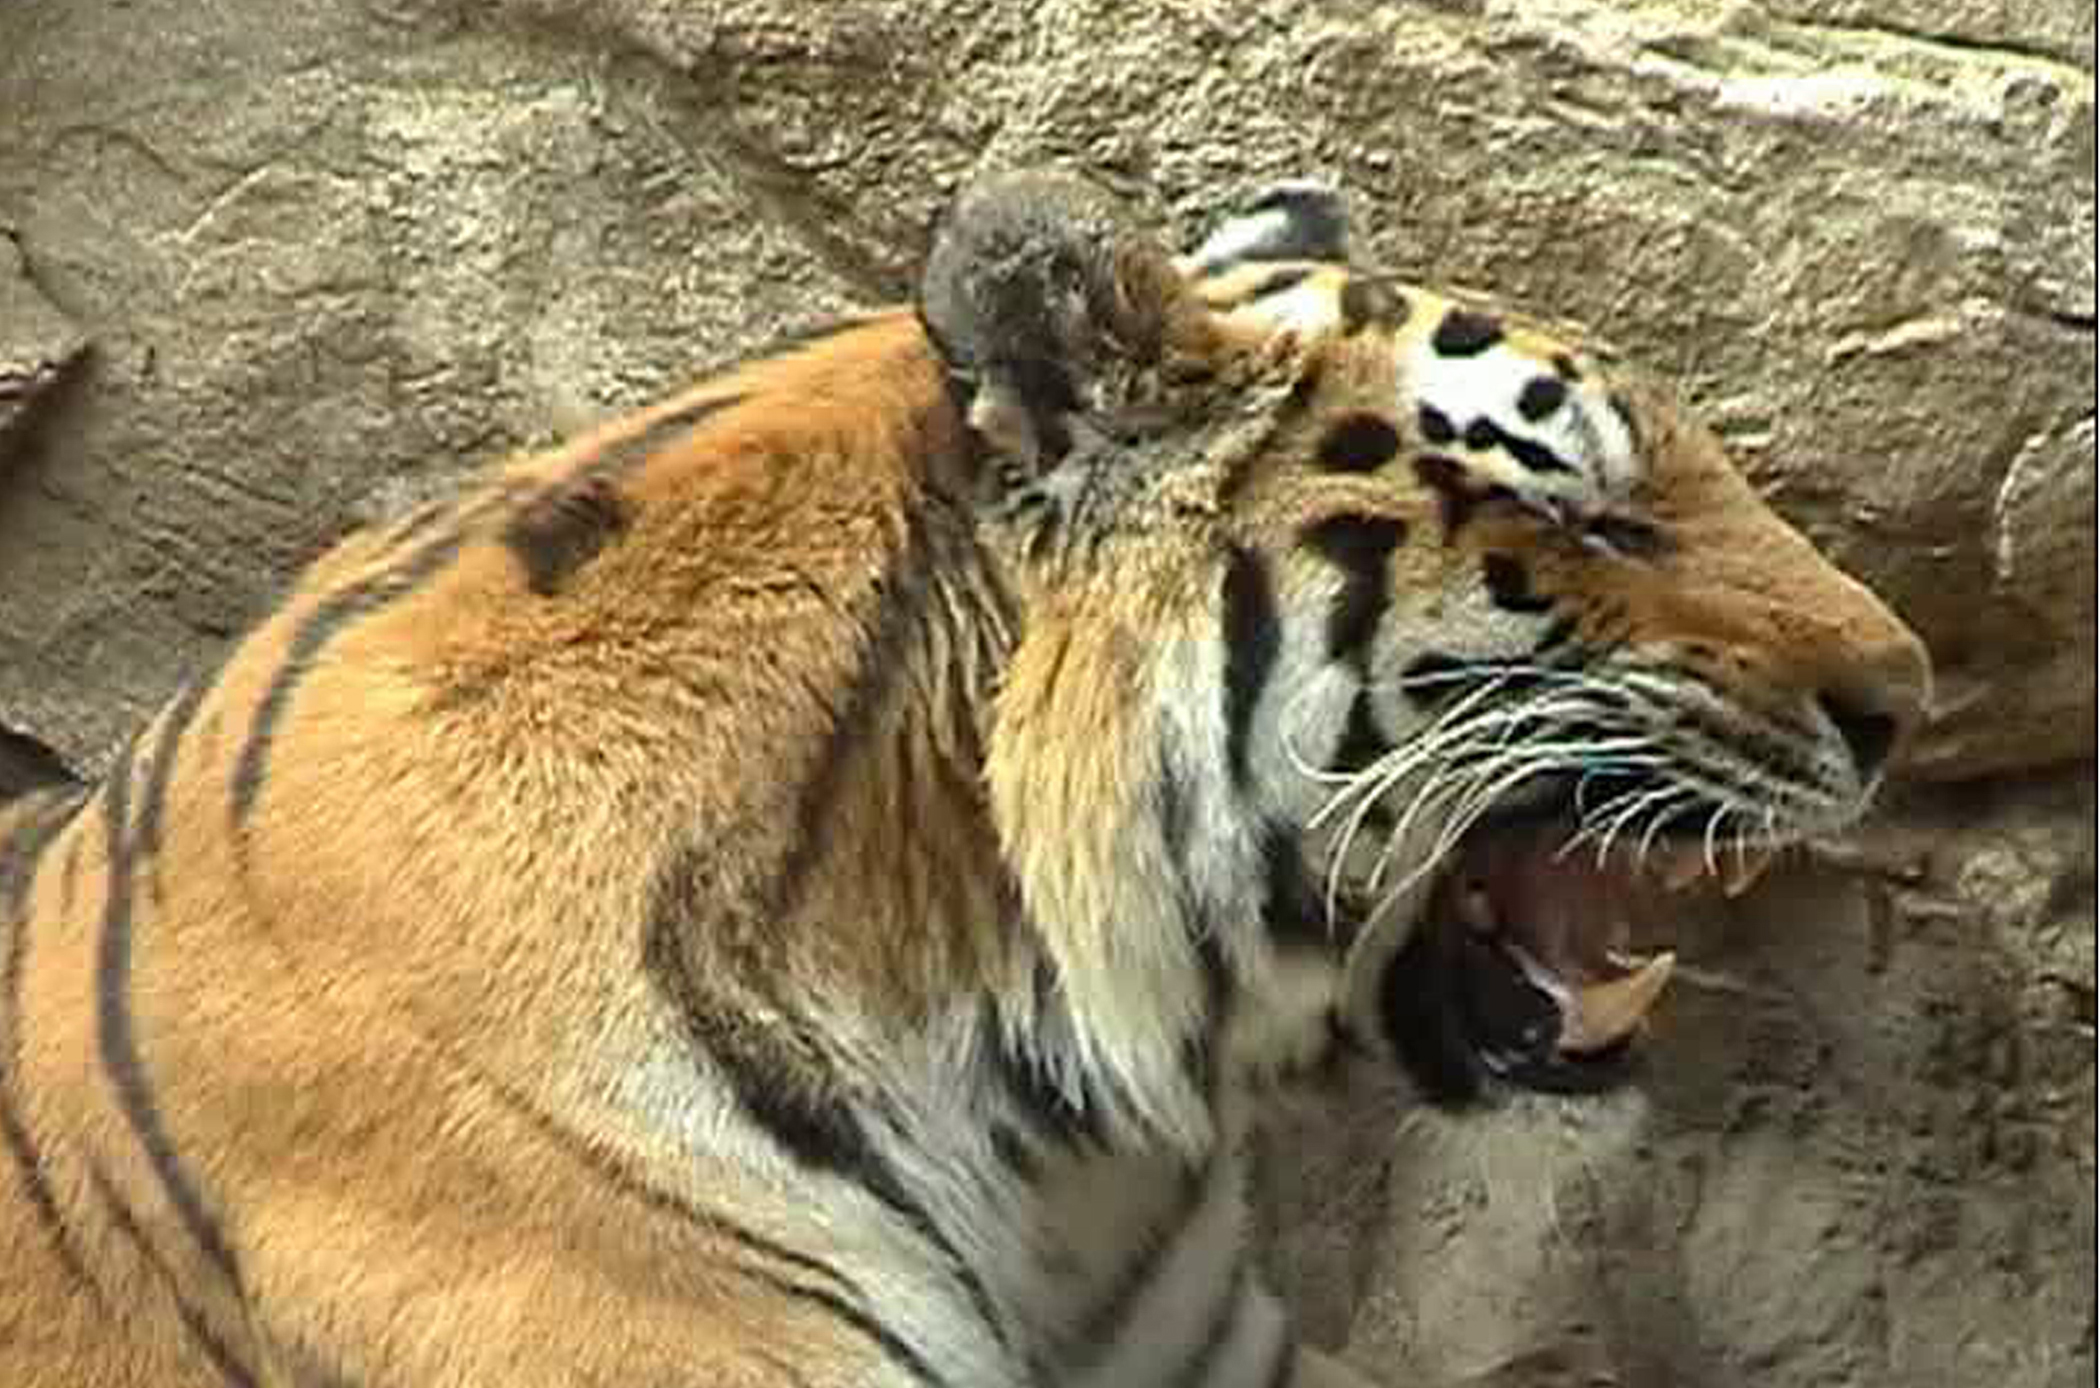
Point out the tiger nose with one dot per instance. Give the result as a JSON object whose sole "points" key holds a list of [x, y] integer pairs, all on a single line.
{"points": [[1878, 697]]}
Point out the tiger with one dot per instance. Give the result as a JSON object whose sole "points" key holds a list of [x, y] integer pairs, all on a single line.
{"points": [[810, 882]]}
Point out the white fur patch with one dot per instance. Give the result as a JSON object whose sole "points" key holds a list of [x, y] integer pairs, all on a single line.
{"points": [[1585, 432]]}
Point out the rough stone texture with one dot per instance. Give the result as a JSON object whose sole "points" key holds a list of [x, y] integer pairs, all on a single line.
{"points": [[38, 344], [328, 252], [1862, 1152]]}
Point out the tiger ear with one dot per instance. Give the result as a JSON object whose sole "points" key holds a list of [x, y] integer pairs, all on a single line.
{"points": [[1290, 219], [1049, 308]]}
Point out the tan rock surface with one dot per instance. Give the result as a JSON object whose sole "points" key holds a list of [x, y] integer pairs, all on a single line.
{"points": [[330, 252]]}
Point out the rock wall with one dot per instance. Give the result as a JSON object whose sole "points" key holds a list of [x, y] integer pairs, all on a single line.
{"points": [[268, 264]]}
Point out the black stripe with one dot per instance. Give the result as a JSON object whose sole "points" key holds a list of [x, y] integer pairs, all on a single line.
{"points": [[838, 1294], [1360, 442], [619, 458], [1293, 912], [1362, 745], [1362, 741], [1456, 499], [1253, 638], [1285, 1370], [836, 1142], [327, 620], [1052, 1114], [564, 527], [1509, 586], [231, 1371], [561, 527], [893, 1346], [780, 1078], [1174, 796], [39, 817], [1100, 1329], [159, 768], [1622, 406], [28, 1163], [1362, 548], [1437, 678], [1197, 1371], [17, 867], [1014, 1153], [1629, 536], [1558, 634], [898, 597], [1280, 282], [636, 1187], [119, 1046], [1486, 433]]}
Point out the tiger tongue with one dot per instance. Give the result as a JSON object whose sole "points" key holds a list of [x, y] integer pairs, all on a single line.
{"points": [[1561, 915], [1556, 905]]}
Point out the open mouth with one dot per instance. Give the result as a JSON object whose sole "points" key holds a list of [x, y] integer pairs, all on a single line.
{"points": [[1522, 969]]}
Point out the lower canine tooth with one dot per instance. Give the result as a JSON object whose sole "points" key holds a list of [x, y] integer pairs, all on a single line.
{"points": [[1604, 1013]]}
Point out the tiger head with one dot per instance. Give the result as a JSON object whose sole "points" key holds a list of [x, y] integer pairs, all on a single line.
{"points": [[1353, 617]]}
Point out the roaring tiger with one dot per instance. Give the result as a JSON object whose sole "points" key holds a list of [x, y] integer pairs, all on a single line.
{"points": [[805, 886]]}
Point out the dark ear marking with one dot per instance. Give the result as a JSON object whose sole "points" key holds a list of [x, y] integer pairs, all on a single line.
{"points": [[1359, 442], [1464, 333], [558, 531]]}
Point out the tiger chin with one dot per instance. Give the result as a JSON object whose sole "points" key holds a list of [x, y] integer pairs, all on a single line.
{"points": [[804, 885]]}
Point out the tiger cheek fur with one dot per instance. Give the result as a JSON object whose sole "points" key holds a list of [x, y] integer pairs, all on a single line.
{"points": [[805, 884]]}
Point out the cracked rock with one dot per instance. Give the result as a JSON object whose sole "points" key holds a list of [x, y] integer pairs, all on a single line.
{"points": [[38, 343]]}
